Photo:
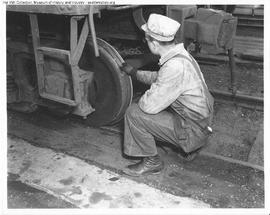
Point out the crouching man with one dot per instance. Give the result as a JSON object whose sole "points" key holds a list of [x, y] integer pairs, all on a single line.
{"points": [[177, 108]]}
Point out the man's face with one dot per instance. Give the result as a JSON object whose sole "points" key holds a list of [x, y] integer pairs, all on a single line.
{"points": [[152, 44]]}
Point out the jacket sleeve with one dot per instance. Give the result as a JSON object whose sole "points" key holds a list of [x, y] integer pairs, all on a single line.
{"points": [[165, 90], [147, 77]]}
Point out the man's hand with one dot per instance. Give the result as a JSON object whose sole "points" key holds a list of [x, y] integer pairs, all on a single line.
{"points": [[128, 69]]}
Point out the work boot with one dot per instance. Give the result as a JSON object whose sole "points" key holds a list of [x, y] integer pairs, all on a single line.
{"points": [[148, 165]]}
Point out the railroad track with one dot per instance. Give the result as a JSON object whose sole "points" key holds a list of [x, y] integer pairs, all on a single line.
{"points": [[246, 101], [250, 16], [250, 20], [226, 97]]}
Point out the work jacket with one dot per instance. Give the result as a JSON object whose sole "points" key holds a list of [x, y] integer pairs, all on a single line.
{"points": [[176, 85]]}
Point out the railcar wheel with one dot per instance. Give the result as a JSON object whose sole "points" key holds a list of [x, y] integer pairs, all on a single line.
{"points": [[111, 91]]}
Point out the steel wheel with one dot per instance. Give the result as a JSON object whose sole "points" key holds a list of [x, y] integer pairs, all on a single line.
{"points": [[111, 91]]}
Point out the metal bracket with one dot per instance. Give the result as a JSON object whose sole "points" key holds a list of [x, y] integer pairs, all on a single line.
{"points": [[92, 29], [38, 56], [232, 71]]}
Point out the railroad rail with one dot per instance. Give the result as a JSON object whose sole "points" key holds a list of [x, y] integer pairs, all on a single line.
{"points": [[250, 16], [246, 101]]}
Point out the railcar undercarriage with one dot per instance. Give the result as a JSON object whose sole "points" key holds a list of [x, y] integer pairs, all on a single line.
{"points": [[60, 69]]}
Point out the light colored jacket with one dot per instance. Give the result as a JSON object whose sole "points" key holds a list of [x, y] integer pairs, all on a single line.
{"points": [[176, 84]]}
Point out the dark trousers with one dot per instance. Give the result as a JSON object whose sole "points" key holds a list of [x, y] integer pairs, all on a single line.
{"points": [[141, 129]]}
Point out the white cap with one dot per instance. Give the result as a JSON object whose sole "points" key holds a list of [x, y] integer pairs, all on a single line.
{"points": [[160, 27]]}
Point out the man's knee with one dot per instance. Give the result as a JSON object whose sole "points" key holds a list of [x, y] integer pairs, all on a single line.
{"points": [[133, 111]]}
